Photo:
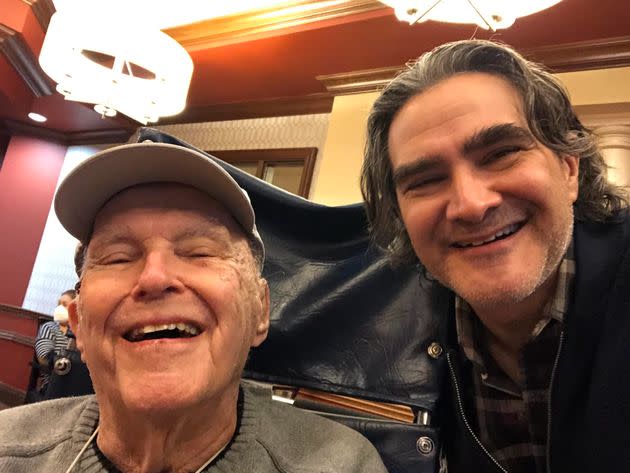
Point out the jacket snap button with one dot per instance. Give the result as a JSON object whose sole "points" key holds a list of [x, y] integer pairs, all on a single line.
{"points": [[435, 350], [424, 445]]}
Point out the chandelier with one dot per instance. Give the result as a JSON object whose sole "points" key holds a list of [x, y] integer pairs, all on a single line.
{"points": [[113, 59], [488, 14]]}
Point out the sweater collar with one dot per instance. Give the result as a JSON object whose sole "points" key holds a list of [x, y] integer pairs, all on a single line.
{"points": [[235, 457]]}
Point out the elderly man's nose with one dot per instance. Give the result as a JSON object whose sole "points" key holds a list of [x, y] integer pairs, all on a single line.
{"points": [[157, 277]]}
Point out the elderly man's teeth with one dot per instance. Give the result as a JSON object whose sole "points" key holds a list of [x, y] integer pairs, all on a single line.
{"points": [[180, 326], [183, 328]]}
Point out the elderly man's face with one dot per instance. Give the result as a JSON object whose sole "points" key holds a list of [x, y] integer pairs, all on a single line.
{"points": [[170, 300], [487, 207]]}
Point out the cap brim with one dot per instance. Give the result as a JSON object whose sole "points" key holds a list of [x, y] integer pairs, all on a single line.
{"points": [[91, 184]]}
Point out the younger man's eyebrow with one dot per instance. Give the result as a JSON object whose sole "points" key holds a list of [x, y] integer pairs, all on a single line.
{"points": [[482, 139], [419, 166], [496, 134]]}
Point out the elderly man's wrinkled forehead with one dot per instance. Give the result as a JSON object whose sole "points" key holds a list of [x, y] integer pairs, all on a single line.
{"points": [[162, 198], [155, 202]]}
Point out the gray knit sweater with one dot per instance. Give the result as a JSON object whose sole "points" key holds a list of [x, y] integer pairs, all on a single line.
{"points": [[273, 437]]}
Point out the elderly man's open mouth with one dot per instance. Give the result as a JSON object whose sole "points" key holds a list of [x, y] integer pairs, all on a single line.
{"points": [[179, 330]]}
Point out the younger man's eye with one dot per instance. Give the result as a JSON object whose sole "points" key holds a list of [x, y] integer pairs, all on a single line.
{"points": [[500, 153], [423, 183]]}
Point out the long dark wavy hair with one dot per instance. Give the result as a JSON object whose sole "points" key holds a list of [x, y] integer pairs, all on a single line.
{"points": [[550, 118]]}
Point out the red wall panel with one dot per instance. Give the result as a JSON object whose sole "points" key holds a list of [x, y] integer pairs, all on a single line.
{"points": [[19, 325], [28, 177], [15, 370]]}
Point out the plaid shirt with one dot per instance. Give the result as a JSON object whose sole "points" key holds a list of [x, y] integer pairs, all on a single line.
{"points": [[512, 418]]}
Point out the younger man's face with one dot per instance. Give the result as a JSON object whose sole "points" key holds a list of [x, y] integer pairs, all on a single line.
{"points": [[487, 207]]}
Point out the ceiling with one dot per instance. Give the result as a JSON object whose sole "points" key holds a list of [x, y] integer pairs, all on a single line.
{"points": [[291, 60]]}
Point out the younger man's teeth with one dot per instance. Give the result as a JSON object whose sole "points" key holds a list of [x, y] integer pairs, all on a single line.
{"points": [[506, 231]]}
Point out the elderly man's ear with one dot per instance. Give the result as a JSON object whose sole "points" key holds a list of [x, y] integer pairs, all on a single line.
{"points": [[73, 320], [262, 313]]}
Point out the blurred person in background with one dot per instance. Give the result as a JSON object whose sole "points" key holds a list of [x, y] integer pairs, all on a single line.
{"points": [[52, 337]]}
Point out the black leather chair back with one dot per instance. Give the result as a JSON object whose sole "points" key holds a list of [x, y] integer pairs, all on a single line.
{"points": [[343, 321]]}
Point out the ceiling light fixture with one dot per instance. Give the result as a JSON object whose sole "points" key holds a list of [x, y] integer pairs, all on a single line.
{"points": [[488, 14], [36, 117], [104, 56]]}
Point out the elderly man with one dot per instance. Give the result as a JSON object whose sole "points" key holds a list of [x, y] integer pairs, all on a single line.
{"points": [[171, 299], [478, 167]]}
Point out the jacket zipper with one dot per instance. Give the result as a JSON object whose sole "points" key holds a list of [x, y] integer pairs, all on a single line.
{"points": [[460, 407], [553, 376]]}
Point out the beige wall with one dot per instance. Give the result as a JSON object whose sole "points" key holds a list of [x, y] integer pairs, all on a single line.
{"points": [[602, 99], [598, 87], [298, 131], [619, 171], [614, 141], [337, 182]]}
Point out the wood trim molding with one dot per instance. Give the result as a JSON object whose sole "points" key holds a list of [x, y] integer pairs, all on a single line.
{"points": [[4, 145], [117, 135], [369, 80], [613, 137], [11, 396], [243, 26], [584, 55], [599, 115], [20, 56], [43, 10], [24, 313], [114, 135], [272, 156], [14, 127], [276, 107], [307, 175], [17, 338]]}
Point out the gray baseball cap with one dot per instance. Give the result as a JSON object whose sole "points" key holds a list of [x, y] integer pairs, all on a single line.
{"points": [[91, 184]]}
